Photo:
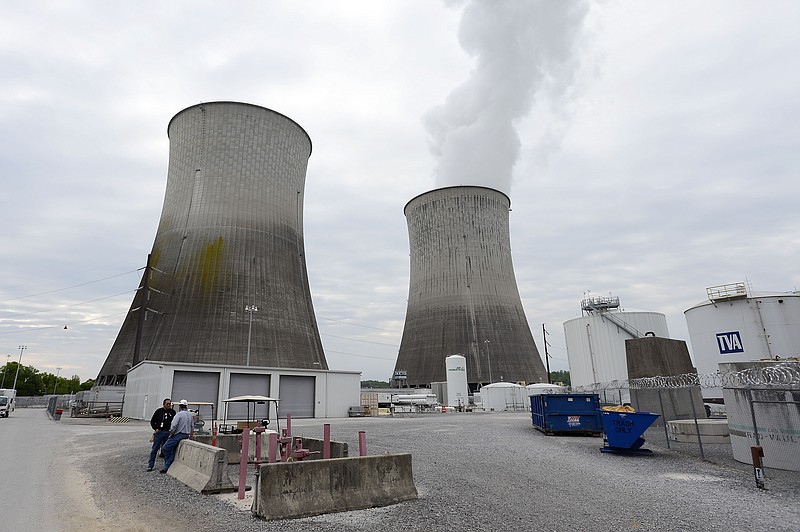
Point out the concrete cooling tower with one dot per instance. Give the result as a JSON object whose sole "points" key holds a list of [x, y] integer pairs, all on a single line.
{"points": [[226, 281], [463, 296]]}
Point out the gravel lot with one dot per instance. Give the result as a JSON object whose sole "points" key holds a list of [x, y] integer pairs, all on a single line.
{"points": [[473, 472]]}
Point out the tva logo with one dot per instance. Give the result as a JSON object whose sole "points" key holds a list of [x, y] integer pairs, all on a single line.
{"points": [[729, 342]]}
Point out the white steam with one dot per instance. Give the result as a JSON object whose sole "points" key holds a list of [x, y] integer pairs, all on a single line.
{"points": [[525, 50]]}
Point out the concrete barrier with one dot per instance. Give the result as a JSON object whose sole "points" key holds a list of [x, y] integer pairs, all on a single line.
{"points": [[711, 430], [201, 467], [288, 490]]}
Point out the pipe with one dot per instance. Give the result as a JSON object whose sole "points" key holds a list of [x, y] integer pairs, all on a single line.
{"points": [[362, 443], [326, 441], [243, 461], [273, 447]]}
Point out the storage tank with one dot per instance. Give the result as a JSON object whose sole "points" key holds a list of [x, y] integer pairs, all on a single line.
{"points": [[596, 340], [734, 325], [457, 390], [504, 397], [540, 388]]}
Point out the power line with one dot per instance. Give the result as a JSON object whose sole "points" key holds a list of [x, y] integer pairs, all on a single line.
{"points": [[69, 287], [15, 315], [65, 325], [357, 324], [356, 340], [355, 355]]}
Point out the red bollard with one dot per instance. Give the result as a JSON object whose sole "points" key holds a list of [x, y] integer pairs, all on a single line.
{"points": [[214, 435], [258, 431], [243, 461], [362, 443], [326, 441], [273, 447]]}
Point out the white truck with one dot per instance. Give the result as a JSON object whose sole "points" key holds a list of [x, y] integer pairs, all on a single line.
{"points": [[7, 401]]}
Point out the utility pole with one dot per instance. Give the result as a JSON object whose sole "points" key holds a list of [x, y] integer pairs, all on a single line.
{"points": [[250, 309], [21, 349], [5, 370], [58, 370], [143, 297], [546, 354]]}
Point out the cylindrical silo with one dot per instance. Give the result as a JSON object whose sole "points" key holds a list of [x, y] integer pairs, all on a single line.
{"points": [[457, 389], [734, 325], [596, 341], [228, 281], [463, 296]]}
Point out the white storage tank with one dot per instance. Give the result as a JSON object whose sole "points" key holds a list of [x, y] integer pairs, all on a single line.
{"points": [[596, 340], [733, 325], [539, 388], [457, 390], [504, 397]]}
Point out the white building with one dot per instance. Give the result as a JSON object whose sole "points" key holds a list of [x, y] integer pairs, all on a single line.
{"points": [[302, 393]]}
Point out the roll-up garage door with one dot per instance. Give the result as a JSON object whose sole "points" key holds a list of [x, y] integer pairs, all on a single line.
{"points": [[195, 386], [248, 384], [297, 396]]}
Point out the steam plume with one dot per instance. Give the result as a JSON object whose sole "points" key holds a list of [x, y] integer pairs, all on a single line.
{"points": [[523, 50]]}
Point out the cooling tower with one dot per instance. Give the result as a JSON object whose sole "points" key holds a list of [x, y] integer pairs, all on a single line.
{"points": [[463, 296], [230, 238]]}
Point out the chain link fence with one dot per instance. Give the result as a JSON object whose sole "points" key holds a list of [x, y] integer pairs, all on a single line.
{"points": [[761, 408]]}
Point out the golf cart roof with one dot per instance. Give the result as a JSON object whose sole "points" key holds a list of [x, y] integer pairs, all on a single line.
{"points": [[250, 399]]}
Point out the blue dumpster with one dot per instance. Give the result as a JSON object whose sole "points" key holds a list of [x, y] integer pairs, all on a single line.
{"points": [[623, 431], [567, 413]]}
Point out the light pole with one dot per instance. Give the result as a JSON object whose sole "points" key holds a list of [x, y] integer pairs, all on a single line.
{"points": [[250, 309], [21, 349], [58, 370], [5, 370], [488, 360]]}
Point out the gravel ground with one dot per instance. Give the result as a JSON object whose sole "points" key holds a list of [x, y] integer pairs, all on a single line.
{"points": [[473, 472]]}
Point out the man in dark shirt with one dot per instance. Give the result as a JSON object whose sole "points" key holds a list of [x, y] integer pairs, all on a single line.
{"points": [[160, 422]]}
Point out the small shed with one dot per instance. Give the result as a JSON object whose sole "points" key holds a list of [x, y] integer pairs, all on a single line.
{"points": [[504, 397]]}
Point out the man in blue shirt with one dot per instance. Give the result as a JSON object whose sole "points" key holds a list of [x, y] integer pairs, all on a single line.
{"points": [[181, 428]]}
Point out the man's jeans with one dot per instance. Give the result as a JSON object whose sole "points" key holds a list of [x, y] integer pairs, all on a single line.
{"points": [[171, 447], [158, 440]]}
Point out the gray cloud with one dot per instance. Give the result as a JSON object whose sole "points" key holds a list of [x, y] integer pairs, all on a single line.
{"points": [[671, 167]]}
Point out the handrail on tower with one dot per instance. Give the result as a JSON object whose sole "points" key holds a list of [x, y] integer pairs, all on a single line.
{"points": [[726, 292], [602, 305]]}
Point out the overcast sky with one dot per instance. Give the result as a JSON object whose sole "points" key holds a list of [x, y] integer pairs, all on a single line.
{"points": [[650, 150]]}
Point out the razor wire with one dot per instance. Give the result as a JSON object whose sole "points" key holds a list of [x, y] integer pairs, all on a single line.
{"points": [[783, 375]]}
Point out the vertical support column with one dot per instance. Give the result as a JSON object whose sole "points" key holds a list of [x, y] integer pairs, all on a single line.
{"points": [[243, 461], [258, 432], [326, 441], [664, 418], [362, 443], [273, 447], [757, 452], [696, 427]]}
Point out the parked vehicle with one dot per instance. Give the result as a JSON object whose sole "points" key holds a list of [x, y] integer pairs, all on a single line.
{"points": [[7, 401]]}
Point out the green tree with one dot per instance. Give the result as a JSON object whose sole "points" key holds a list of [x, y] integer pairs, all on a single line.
{"points": [[29, 380], [561, 376], [374, 384]]}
